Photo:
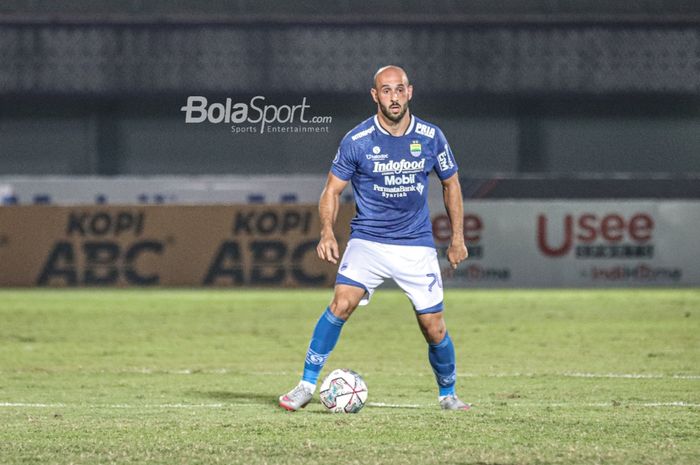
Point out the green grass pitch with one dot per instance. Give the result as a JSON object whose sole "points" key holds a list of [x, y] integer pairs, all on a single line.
{"points": [[192, 376]]}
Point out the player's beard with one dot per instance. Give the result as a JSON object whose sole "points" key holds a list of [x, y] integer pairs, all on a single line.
{"points": [[386, 111]]}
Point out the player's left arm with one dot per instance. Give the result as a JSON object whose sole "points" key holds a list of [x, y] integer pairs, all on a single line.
{"points": [[452, 195]]}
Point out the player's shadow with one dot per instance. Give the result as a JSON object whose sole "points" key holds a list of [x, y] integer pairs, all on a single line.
{"points": [[237, 397]]}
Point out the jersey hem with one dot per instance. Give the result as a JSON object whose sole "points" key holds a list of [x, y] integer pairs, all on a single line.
{"points": [[420, 242]]}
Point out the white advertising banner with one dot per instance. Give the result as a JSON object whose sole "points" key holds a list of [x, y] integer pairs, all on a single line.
{"points": [[574, 243]]}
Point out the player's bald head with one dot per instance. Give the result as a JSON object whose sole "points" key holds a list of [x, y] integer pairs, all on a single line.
{"points": [[390, 73]]}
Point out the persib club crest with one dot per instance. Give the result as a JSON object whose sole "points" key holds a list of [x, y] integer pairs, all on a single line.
{"points": [[415, 149]]}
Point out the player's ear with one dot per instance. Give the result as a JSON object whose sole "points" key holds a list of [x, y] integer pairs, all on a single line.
{"points": [[373, 91], [409, 91]]}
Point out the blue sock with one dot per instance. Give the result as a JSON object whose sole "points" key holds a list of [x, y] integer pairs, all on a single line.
{"points": [[442, 359], [322, 343]]}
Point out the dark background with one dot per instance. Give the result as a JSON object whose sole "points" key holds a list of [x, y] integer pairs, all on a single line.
{"points": [[592, 89]]}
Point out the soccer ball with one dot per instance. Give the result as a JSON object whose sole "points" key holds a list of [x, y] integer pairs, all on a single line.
{"points": [[343, 391]]}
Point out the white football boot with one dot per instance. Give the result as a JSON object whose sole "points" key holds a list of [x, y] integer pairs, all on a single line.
{"points": [[297, 398], [452, 402]]}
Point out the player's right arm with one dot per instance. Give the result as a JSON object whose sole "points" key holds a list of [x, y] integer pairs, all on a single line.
{"points": [[328, 206]]}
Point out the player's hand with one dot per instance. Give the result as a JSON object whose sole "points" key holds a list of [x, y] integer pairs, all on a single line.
{"points": [[327, 249], [456, 253]]}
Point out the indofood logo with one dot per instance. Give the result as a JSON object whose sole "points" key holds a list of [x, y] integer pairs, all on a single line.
{"points": [[255, 116], [398, 167]]}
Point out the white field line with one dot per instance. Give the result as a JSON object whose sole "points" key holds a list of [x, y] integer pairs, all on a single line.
{"points": [[124, 406], [369, 404], [385, 405], [628, 375], [567, 374], [605, 404]]}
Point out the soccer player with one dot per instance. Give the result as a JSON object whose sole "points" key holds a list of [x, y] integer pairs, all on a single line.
{"points": [[388, 158]]}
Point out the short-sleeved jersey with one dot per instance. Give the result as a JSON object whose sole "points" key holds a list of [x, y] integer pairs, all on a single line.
{"points": [[389, 176]]}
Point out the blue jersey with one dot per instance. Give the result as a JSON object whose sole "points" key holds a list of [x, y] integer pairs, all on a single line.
{"points": [[389, 176]]}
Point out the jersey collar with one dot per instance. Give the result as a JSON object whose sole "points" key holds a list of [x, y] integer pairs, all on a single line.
{"points": [[409, 129]]}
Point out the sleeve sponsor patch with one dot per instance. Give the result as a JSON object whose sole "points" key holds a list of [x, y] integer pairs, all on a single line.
{"points": [[445, 161]]}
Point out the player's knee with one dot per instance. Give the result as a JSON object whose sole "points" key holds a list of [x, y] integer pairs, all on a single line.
{"points": [[342, 307], [433, 327], [436, 333]]}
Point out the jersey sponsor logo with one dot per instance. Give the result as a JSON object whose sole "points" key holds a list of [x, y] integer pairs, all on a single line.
{"points": [[399, 179], [364, 133], [415, 149], [425, 130], [395, 191], [376, 149], [445, 160], [381, 156], [337, 156], [398, 167], [420, 187]]}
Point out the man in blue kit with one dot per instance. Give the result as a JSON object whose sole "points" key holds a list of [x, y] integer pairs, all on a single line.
{"points": [[388, 158]]}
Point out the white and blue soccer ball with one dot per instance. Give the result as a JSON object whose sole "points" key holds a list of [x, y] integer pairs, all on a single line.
{"points": [[343, 391]]}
